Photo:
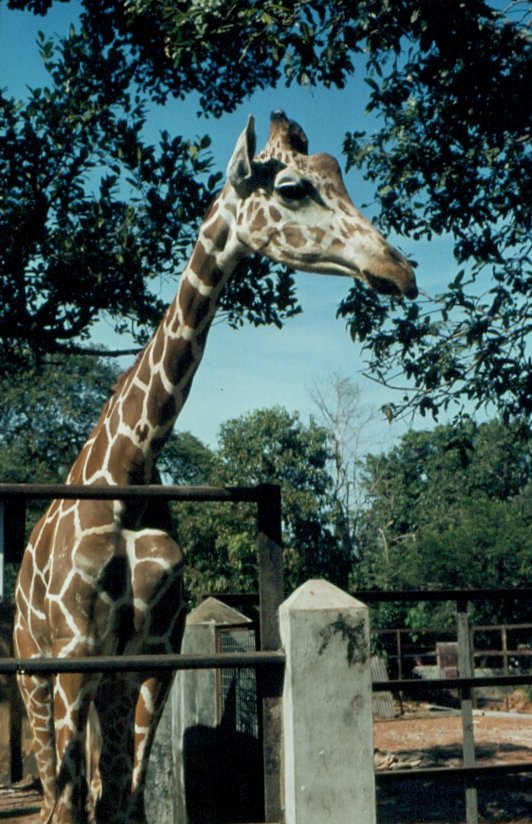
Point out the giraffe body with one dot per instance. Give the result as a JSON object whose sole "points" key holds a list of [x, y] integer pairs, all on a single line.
{"points": [[105, 577]]}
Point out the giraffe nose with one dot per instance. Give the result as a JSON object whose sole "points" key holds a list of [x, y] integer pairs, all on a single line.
{"points": [[386, 285], [407, 285], [412, 292]]}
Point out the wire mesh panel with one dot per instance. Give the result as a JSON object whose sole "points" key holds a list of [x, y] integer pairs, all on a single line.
{"points": [[237, 699]]}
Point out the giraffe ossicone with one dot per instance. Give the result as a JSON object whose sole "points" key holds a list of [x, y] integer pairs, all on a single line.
{"points": [[104, 577]]}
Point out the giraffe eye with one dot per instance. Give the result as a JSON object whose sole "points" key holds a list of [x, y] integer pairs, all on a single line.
{"points": [[294, 189]]}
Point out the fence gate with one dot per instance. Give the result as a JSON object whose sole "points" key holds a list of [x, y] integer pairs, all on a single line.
{"points": [[237, 688]]}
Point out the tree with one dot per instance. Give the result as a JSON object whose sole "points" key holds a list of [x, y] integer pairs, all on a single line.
{"points": [[46, 414], [93, 219], [340, 409], [448, 509], [450, 155], [265, 446]]}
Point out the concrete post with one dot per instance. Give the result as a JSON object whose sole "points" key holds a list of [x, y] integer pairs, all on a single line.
{"points": [[327, 708], [203, 767]]}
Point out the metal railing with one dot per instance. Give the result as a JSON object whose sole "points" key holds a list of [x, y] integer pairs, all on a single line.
{"points": [[470, 772], [268, 661]]}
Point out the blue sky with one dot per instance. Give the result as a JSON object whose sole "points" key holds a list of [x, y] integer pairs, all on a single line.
{"points": [[253, 368]]}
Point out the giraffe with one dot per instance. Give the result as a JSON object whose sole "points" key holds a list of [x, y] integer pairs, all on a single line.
{"points": [[105, 577]]}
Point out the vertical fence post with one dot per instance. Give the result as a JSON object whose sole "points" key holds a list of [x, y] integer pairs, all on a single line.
{"points": [[465, 669], [11, 548], [271, 594], [399, 655], [2, 546], [327, 708]]}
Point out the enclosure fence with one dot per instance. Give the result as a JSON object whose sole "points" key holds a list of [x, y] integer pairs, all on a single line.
{"points": [[267, 497], [470, 772], [269, 660]]}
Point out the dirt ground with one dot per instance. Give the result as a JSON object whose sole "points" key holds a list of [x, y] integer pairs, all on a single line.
{"points": [[421, 737], [424, 738]]}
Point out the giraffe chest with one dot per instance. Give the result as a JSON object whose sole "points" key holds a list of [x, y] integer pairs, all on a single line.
{"points": [[104, 584]]}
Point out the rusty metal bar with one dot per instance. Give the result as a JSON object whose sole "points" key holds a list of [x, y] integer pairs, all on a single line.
{"points": [[142, 663], [479, 771], [237, 660], [271, 595], [2, 547], [16, 713], [465, 669], [97, 492], [371, 596], [424, 685]]}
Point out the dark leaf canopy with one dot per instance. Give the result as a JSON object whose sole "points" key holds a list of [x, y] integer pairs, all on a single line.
{"points": [[448, 82]]}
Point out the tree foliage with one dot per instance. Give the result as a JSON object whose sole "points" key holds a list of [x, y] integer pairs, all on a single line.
{"points": [[46, 414], [448, 509], [94, 220], [90, 213], [266, 446], [450, 156]]}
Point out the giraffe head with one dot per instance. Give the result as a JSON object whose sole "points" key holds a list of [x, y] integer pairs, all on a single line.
{"points": [[294, 208]]}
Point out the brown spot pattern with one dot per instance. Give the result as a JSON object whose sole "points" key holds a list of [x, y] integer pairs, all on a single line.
{"points": [[294, 236], [194, 307]]}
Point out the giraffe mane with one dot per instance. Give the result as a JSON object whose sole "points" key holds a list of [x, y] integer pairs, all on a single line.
{"points": [[120, 381]]}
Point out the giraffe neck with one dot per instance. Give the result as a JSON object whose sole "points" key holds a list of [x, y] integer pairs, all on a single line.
{"points": [[139, 417]]}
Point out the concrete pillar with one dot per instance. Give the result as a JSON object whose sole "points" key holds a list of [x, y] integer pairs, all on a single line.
{"points": [[327, 708], [213, 764]]}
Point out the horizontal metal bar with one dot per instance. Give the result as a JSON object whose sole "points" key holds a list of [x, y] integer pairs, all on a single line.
{"points": [[499, 627], [142, 663], [485, 771], [451, 631], [425, 685], [372, 596], [500, 653], [252, 494], [229, 660]]}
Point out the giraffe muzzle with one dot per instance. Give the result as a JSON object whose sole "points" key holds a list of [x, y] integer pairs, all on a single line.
{"points": [[385, 286]]}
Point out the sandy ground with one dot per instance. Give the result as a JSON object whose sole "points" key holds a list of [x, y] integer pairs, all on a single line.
{"points": [[425, 738], [420, 738], [499, 737]]}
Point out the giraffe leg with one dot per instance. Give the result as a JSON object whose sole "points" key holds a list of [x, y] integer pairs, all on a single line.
{"points": [[127, 711], [159, 619], [115, 706], [37, 696], [73, 693], [150, 704], [165, 625]]}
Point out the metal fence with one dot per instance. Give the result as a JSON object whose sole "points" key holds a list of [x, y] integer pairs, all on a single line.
{"points": [[470, 772], [502, 646], [268, 661]]}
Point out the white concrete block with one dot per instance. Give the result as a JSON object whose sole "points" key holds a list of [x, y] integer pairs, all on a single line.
{"points": [[327, 708]]}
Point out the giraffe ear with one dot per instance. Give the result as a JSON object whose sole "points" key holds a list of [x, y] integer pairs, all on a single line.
{"points": [[240, 170]]}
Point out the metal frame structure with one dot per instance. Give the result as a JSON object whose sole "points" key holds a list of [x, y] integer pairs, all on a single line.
{"points": [[269, 660], [470, 772], [271, 594]]}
